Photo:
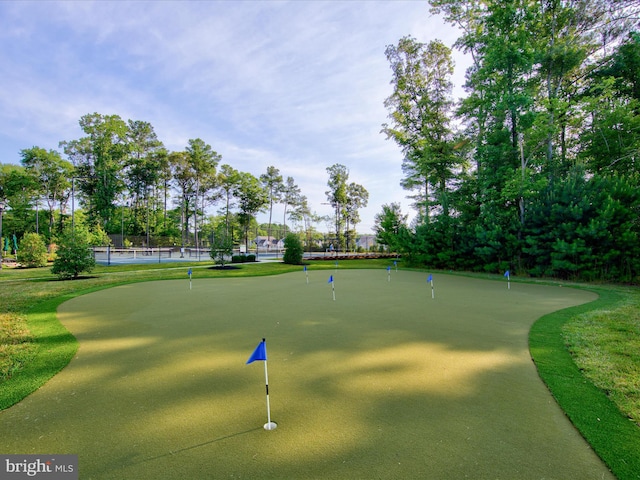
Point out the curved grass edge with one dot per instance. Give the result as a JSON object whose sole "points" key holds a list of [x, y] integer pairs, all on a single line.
{"points": [[55, 348], [613, 436]]}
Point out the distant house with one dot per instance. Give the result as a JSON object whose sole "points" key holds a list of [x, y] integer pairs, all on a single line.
{"points": [[366, 242], [269, 243]]}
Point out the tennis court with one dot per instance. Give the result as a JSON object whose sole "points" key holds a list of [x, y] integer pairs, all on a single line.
{"points": [[118, 256]]}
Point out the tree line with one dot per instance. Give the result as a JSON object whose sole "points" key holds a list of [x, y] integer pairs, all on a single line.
{"points": [[536, 170], [120, 179]]}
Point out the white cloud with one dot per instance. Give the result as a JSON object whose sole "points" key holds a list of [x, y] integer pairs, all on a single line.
{"points": [[298, 85]]}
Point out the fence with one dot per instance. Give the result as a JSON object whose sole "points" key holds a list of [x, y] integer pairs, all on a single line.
{"points": [[108, 255]]}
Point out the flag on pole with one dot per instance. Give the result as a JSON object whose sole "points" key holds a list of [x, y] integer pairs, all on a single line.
{"points": [[508, 275], [306, 274], [330, 279], [333, 288], [260, 354], [189, 273], [430, 280], [388, 274]]}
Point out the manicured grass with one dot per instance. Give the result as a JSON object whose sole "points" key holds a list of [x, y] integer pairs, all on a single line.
{"points": [[51, 348], [606, 346], [613, 436], [385, 382], [23, 289], [615, 442]]}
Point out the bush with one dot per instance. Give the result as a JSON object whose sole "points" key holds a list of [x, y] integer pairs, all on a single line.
{"points": [[251, 258], [292, 249], [33, 251], [74, 256], [238, 258], [221, 247]]}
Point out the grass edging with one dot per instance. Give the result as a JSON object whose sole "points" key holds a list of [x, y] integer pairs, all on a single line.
{"points": [[614, 437], [55, 347]]}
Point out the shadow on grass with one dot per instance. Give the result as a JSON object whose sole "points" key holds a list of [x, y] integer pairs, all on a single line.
{"points": [[199, 445]]}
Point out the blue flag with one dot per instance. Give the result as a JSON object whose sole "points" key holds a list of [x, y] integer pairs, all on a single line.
{"points": [[305, 268], [189, 272], [388, 269], [260, 353], [506, 274], [330, 279], [430, 278]]}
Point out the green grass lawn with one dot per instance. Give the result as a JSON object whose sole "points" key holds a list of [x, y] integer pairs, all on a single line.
{"points": [[384, 382], [602, 337]]}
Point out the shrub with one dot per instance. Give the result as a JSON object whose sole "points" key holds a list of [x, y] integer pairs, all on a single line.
{"points": [[251, 258], [33, 251], [293, 249], [221, 247], [74, 256]]}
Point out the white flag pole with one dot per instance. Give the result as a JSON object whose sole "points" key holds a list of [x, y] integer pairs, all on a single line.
{"points": [[269, 425], [433, 294]]}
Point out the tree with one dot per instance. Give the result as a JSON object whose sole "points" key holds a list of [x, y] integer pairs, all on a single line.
{"points": [[221, 246], [228, 180], [293, 249], [74, 255], [252, 198], [357, 197], [18, 189], [421, 113], [346, 199], [144, 170], [203, 160], [337, 197], [611, 140], [291, 197], [185, 181], [99, 159], [272, 183], [51, 174], [33, 251], [391, 226]]}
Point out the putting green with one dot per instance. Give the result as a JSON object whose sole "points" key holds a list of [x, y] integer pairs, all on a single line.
{"points": [[384, 382]]}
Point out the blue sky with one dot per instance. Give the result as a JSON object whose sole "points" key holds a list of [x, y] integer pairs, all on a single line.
{"points": [[299, 85]]}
